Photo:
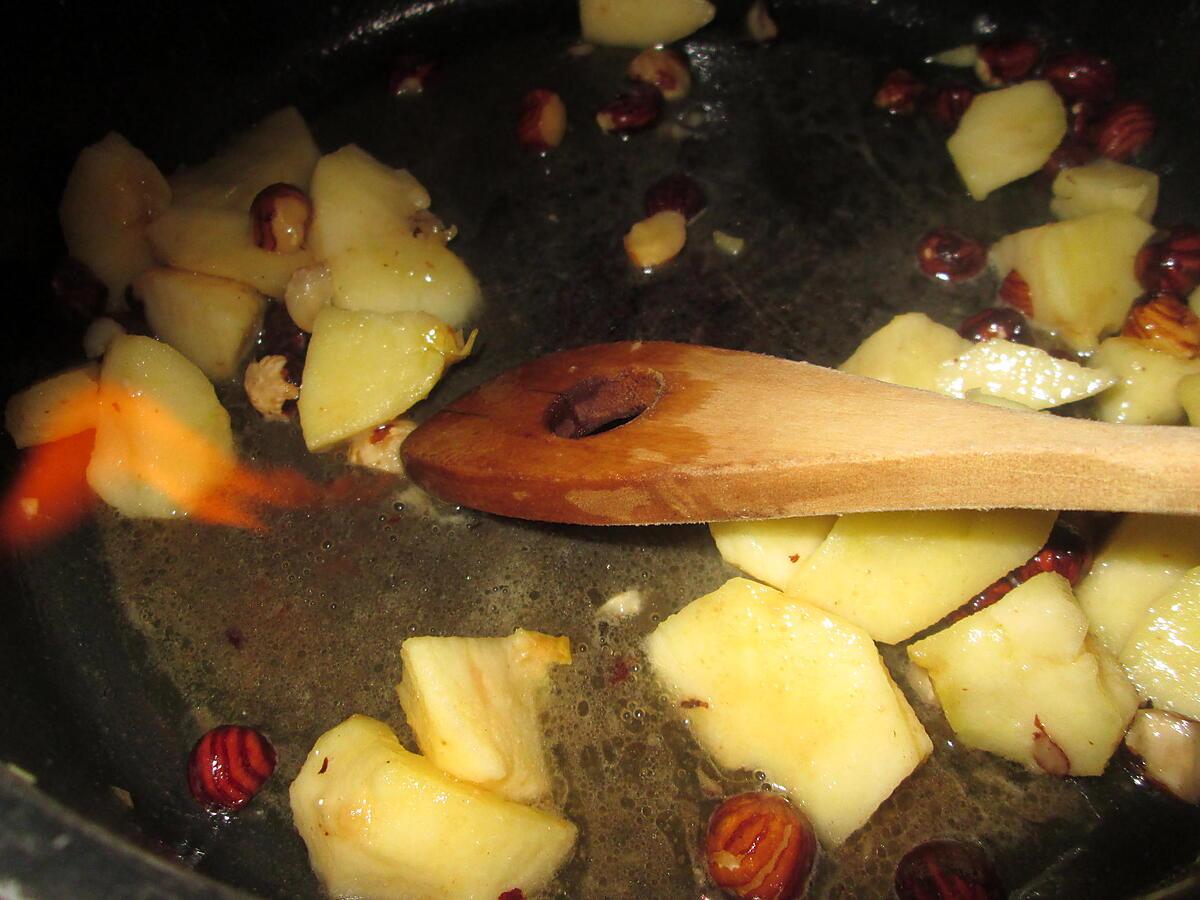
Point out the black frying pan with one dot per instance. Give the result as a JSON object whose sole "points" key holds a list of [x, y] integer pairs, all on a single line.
{"points": [[114, 647]]}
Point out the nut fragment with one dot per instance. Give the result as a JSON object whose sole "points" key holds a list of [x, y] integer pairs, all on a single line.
{"points": [[949, 103], [1005, 60], [676, 192], [379, 448], [228, 766], [1014, 292], [543, 121], [1077, 75], [948, 256], [308, 291], [1171, 264], [760, 846], [281, 214], [409, 76], [899, 93], [1125, 130], [729, 244], [656, 240], [1050, 757], [664, 69], [947, 869], [760, 26], [1163, 322], [268, 387], [636, 109], [1169, 747]]}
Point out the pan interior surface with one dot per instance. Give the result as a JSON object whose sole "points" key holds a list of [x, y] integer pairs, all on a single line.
{"points": [[149, 633]]}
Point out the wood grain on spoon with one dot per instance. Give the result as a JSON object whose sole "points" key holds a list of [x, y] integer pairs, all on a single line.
{"points": [[730, 435]]}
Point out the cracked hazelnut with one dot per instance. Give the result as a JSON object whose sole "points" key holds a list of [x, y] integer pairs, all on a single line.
{"points": [[1014, 292], [947, 869], [664, 69], [636, 109], [948, 256], [281, 215], [379, 448], [760, 846], [268, 388], [1163, 322], [543, 121], [1077, 75], [1124, 131], [899, 93], [656, 240]]}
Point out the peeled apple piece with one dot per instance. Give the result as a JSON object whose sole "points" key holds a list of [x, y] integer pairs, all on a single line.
{"points": [[113, 192], [1101, 185], [1162, 655], [770, 550], [280, 148], [366, 368], [55, 407], [163, 440], [381, 823], [1007, 134], [474, 705], [1022, 677], [773, 684], [1028, 376], [1147, 388], [908, 351], [638, 23], [896, 573]]}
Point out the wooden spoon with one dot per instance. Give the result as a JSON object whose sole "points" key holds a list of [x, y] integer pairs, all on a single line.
{"points": [[721, 434]]}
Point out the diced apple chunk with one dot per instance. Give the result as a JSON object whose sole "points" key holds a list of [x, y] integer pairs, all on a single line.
{"points": [[773, 684], [1169, 746], [1104, 184], [403, 272], [1162, 655], [909, 350], [280, 148], [1026, 375], [366, 368], [1140, 560], [474, 706], [220, 242], [895, 573], [112, 194], [211, 321], [771, 550], [381, 823], [54, 408], [357, 198], [636, 23], [1146, 392], [1007, 134], [1024, 672], [163, 440], [1080, 272]]}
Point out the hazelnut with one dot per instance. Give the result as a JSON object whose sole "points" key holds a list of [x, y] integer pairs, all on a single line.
{"points": [[1163, 322], [677, 192], [281, 215], [948, 256], [379, 448], [228, 766], [1169, 748], [1124, 131], [1050, 757], [656, 240], [1071, 152], [760, 25], [760, 846], [1077, 75], [1171, 264], [1001, 322], [543, 121], [664, 69], [947, 869], [1014, 292], [899, 93], [949, 103], [1005, 60], [638, 108], [268, 387]]}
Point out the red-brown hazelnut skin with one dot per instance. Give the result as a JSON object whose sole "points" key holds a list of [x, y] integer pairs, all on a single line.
{"points": [[1125, 130], [228, 766], [760, 847], [281, 215], [899, 93], [947, 870], [948, 256]]}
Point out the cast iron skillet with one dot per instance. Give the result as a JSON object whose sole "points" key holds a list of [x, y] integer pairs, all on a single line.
{"points": [[114, 647]]}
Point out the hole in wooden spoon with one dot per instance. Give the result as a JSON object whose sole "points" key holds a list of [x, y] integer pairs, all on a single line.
{"points": [[601, 403]]}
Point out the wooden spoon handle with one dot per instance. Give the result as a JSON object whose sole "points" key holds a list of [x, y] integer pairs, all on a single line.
{"points": [[725, 434]]}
